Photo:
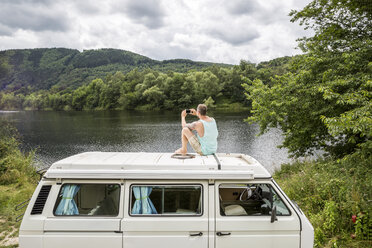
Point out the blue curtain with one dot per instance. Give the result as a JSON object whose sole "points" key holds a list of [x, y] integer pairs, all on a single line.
{"points": [[143, 204], [67, 206]]}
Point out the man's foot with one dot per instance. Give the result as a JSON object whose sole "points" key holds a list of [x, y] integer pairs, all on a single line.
{"points": [[180, 151]]}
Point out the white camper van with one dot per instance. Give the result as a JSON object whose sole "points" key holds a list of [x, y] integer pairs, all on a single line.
{"points": [[156, 200]]}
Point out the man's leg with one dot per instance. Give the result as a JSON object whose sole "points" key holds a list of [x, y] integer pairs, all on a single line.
{"points": [[185, 135]]}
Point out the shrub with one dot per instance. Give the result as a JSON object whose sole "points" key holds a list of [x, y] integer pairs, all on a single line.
{"points": [[330, 192]]}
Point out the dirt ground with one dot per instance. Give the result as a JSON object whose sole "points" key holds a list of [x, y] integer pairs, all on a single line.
{"points": [[7, 237]]}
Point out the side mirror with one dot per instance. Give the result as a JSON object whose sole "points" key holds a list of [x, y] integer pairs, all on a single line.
{"points": [[273, 214]]}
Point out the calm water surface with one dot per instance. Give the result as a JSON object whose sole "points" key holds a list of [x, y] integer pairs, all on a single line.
{"points": [[57, 135]]}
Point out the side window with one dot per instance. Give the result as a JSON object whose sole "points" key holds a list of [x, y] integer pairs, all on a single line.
{"points": [[250, 200], [158, 200], [88, 200]]}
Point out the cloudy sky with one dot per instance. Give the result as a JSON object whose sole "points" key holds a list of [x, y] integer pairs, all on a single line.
{"points": [[224, 31]]}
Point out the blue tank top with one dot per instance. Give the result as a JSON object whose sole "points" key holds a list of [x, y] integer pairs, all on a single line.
{"points": [[209, 140]]}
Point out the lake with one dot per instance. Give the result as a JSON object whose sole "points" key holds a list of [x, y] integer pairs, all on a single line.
{"points": [[57, 135]]}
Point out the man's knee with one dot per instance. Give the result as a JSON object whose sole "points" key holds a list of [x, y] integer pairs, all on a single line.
{"points": [[186, 131]]}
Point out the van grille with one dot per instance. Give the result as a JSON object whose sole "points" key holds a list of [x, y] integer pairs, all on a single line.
{"points": [[41, 199]]}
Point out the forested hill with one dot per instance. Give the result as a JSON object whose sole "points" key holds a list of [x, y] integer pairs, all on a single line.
{"points": [[42, 68]]}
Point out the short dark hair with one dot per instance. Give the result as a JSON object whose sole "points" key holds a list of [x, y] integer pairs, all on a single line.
{"points": [[202, 108]]}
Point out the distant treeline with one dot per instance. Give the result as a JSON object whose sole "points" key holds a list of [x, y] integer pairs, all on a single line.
{"points": [[26, 70], [150, 89]]}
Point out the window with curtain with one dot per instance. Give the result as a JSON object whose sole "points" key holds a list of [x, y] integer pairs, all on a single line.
{"points": [[163, 200], [88, 200], [250, 200]]}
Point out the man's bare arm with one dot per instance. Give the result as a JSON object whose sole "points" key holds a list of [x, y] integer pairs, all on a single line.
{"points": [[192, 125]]}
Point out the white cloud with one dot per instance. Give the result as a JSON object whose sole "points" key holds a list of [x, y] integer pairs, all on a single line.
{"points": [[221, 31], [243, 7], [34, 16], [147, 12]]}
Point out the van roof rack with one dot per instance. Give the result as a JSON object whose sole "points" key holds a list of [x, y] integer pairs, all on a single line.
{"points": [[142, 165]]}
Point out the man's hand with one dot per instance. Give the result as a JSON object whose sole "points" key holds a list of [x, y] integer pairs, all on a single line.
{"points": [[193, 112], [183, 113]]}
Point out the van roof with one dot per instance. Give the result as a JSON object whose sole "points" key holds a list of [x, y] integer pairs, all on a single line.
{"points": [[142, 165]]}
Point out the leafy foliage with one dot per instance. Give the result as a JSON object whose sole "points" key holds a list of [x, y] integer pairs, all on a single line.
{"points": [[18, 178], [324, 102], [146, 89], [330, 192], [14, 165], [26, 70]]}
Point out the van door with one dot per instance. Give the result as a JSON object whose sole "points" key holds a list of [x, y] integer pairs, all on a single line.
{"points": [[171, 214], [85, 215], [243, 216]]}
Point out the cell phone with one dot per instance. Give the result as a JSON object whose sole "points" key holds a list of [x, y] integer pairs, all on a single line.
{"points": [[188, 111]]}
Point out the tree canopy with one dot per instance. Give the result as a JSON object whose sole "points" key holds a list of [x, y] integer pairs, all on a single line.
{"points": [[148, 89], [25, 70], [324, 102]]}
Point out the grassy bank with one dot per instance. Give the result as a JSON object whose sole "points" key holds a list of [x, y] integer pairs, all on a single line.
{"points": [[330, 192], [18, 180]]}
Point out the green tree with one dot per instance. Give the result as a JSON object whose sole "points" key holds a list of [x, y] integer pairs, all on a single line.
{"points": [[175, 90], [209, 102], [79, 98], [128, 98], [55, 101], [207, 85], [276, 67], [154, 96], [325, 101], [111, 92], [189, 91], [36, 101], [4, 67], [232, 84], [148, 82], [11, 101], [162, 82], [94, 91]]}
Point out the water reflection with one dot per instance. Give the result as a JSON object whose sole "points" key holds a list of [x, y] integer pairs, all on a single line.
{"points": [[60, 134]]}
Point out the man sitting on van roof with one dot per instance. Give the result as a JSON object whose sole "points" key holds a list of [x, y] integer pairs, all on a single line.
{"points": [[205, 140]]}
